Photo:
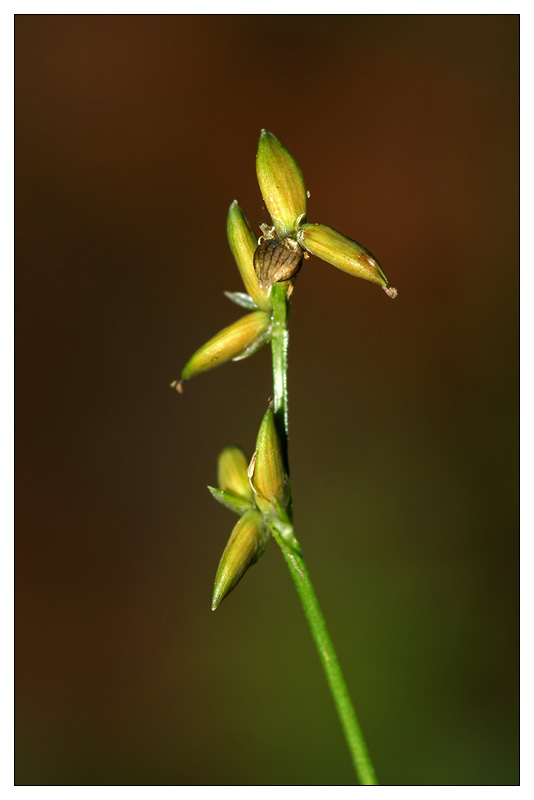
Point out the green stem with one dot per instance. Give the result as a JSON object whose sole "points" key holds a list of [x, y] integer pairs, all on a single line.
{"points": [[279, 348], [284, 534]]}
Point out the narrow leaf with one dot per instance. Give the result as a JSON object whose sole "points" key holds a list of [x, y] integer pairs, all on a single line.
{"points": [[230, 500], [241, 299]]}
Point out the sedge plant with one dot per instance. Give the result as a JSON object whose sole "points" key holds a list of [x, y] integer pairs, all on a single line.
{"points": [[258, 491]]}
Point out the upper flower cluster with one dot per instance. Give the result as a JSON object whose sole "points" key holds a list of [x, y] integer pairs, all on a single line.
{"points": [[284, 193], [276, 256]]}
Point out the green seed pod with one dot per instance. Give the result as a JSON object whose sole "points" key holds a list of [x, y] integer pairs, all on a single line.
{"points": [[269, 478], [343, 253], [245, 546], [232, 472], [233, 343], [277, 260], [243, 243], [281, 184]]}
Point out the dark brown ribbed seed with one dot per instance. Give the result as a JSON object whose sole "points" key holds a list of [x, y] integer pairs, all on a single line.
{"points": [[277, 260]]}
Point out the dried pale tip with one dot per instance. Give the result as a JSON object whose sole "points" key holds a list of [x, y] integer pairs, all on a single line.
{"points": [[250, 468], [178, 385], [390, 291]]}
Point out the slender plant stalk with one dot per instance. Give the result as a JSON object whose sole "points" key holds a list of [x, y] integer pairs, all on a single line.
{"points": [[279, 349], [293, 556]]}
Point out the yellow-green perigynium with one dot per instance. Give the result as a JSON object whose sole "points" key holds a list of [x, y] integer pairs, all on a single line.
{"points": [[243, 244], [234, 490], [237, 341], [245, 546], [232, 473], [268, 476], [281, 185], [343, 253]]}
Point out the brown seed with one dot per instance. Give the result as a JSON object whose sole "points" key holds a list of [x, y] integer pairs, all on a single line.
{"points": [[277, 260]]}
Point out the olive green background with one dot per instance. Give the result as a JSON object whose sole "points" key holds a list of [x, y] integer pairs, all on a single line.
{"points": [[133, 135]]}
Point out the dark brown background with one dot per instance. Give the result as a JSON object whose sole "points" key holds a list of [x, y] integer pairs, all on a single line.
{"points": [[133, 135]]}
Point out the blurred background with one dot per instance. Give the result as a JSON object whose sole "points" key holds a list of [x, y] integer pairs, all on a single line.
{"points": [[133, 135]]}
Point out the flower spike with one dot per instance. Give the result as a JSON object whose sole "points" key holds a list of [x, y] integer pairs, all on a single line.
{"points": [[260, 493], [291, 238]]}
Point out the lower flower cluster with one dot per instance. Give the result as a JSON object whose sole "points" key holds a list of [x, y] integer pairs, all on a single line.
{"points": [[258, 492]]}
